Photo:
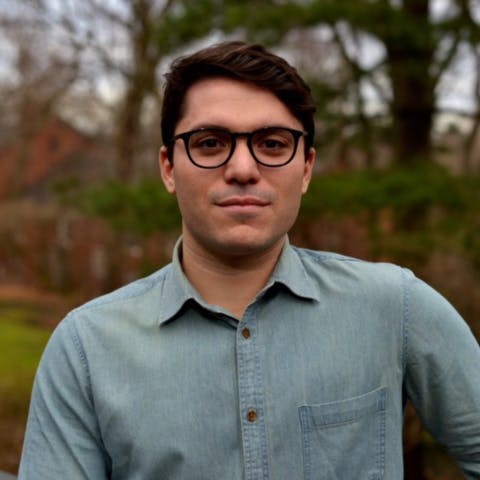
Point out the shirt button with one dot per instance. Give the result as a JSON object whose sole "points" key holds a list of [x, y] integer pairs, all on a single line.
{"points": [[252, 416], [246, 333]]}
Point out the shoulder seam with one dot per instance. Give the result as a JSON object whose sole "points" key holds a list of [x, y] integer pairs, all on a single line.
{"points": [[150, 282], [79, 348], [327, 256], [405, 319]]}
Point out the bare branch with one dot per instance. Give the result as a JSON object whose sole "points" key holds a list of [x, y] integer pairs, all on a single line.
{"points": [[445, 63], [358, 71]]}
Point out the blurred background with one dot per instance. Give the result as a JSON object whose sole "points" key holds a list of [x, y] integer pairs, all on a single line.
{"points": [[82, 209]]}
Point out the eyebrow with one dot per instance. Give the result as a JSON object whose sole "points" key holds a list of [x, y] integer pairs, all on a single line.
{"points": [[223, 127]]}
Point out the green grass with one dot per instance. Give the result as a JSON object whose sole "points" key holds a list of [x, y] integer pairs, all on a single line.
{"points": [[21, 345], [22, 340]]}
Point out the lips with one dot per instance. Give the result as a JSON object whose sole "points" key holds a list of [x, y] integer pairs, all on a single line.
{"points": [[242, 201]]}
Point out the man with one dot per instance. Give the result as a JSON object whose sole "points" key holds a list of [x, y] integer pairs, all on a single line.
{"points": [[247, 358]]}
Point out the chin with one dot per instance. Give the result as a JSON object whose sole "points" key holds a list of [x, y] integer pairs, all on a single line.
{"points": [[249, 245]]}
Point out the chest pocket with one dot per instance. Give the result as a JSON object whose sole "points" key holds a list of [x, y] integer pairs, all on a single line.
{"points": [[345, 439]]}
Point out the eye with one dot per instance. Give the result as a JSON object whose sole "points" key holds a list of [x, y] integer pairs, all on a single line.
{"points": [[209, 140], [273, 141]]}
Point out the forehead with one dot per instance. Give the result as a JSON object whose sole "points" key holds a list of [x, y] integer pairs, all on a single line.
{"points": [[232, 104]]}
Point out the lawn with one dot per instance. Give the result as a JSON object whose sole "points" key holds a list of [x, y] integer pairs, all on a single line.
{"points": [[22, 340]]}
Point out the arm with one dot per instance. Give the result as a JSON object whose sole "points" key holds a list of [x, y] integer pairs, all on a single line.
{"points": [[443, 373], [62, 438]]}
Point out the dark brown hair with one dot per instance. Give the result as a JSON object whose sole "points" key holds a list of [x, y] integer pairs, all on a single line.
{"points": [[244, 62]]}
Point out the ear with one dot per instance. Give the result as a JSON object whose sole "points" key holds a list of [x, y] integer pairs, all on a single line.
{"points": [[166, 170], [308, 169]]}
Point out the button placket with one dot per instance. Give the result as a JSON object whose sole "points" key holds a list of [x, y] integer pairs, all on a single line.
{"points": [[250, 390]]}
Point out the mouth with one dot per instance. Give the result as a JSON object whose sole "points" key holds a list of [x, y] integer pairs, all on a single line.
{"points": [[243, 201], [243, 206]]}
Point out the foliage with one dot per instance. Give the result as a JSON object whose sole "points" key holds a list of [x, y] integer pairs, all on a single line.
{"points": [[428, 209], [416, 47], [143, 207], [192, 19], [405, 191]]}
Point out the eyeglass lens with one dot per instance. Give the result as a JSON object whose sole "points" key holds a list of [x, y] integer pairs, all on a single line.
{"points": [[270, 146]]}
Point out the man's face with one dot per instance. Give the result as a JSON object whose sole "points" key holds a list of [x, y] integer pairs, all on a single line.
{"points": [[241, 207]]}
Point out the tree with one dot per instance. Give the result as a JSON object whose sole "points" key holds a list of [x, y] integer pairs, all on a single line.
{"points": [[146, 32], [41, 77], [116, 40], [417, 47], [118, 47], [470, 153]]}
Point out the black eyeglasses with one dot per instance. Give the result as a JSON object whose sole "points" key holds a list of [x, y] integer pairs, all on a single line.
{"points": [[213, 147]]}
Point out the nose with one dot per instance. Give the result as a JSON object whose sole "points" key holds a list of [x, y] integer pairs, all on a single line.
{"points": [[242, 167]]}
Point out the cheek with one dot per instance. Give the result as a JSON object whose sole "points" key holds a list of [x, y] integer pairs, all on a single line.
{"points": [[191, 195], [290, 196], [293, 189], [186, 199]]}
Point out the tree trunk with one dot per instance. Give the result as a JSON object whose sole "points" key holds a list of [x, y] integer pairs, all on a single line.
{"points": [[128, 132], [410, 52], [141, 84]]}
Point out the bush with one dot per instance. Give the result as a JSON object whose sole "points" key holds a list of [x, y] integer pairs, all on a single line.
{"points": [[144, 207], [428, 207]]}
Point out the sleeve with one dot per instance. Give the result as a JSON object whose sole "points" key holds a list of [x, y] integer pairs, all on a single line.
{"points": [[62, 438], [443, 373]]}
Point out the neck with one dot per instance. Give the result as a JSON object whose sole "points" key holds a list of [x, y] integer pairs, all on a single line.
{"points": [[231, 282]]}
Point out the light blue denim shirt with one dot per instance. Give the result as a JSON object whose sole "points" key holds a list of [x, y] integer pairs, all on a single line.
{"points": [[151, 383]]}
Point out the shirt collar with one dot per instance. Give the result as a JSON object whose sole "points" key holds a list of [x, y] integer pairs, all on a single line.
{"points": [[178, 292], [290, 272]]}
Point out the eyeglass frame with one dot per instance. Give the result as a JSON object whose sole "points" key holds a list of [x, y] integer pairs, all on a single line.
{"points": [[185, 136]]}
